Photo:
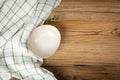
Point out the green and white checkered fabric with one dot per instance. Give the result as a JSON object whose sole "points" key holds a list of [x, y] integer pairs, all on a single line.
{"points": [[17, 19]]}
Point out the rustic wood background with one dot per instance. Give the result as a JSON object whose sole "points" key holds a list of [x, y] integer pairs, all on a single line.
{"points": [[90, 47]]}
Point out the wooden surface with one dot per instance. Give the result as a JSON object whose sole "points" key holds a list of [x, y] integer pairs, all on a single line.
{"points": [[90, 47]]}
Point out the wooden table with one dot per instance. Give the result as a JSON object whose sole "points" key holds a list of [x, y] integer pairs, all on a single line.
{"points": [[90, 46]]}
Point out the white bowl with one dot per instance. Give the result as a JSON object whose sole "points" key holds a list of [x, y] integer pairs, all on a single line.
{"points": [[44, 41]]}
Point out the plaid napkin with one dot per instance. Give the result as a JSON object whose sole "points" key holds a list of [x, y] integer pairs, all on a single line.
{"points": [[17, 19]]}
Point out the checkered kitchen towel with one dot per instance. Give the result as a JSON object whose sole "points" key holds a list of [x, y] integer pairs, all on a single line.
{"points": [[17, 19]]}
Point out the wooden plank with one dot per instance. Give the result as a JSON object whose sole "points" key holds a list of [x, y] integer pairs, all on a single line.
{"points": [[87, 42], [103, 11], [86, 72]]}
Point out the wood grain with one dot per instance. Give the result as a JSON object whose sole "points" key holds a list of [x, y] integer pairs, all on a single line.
{"points": [[90, 46], [88, 10]]}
